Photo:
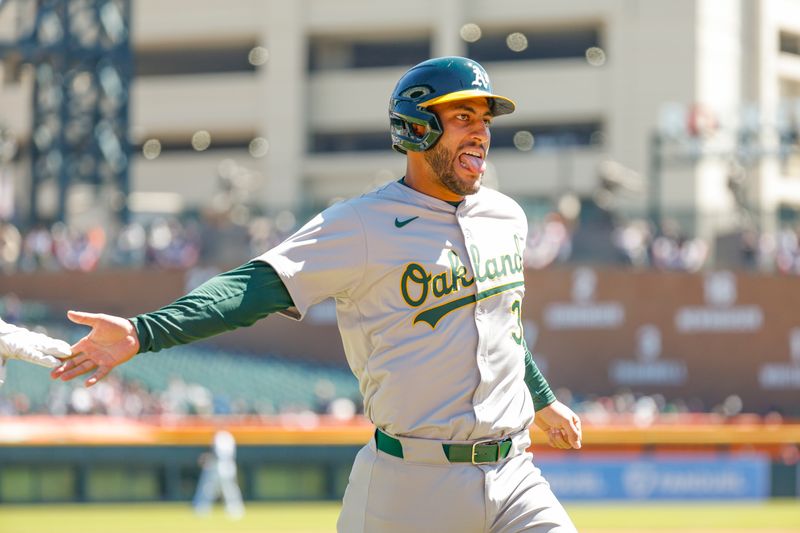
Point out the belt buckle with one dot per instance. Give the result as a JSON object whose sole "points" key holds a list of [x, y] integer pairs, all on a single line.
{"points": [[481, 443]]}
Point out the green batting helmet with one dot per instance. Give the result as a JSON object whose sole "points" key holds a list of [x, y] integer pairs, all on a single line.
{"points": [[435, 81]]}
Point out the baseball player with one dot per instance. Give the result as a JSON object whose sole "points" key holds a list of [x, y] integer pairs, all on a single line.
{"points": [[427, 276], [218, 478], [25, 345]]}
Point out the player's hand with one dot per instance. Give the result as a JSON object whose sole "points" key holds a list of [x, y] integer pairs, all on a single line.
{"points": [[25, 345], [111, 342], [563, 427]]}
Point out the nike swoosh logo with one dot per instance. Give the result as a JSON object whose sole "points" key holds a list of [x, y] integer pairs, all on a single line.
{"points": [[400, 223]]}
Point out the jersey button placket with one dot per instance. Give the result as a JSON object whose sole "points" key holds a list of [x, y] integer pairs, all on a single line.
{"points": [[482, 323], [480, 308]]}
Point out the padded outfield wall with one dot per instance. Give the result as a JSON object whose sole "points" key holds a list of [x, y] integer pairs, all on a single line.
{"points": [[102, 459]]}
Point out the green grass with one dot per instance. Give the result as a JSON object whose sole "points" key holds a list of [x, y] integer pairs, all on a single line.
{"points": [[776, 515], [321, 518], [167, 518]]}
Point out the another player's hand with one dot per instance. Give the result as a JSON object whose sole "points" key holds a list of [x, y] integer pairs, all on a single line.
{"points": [[111, 342], [25, 345], [563, 427]]}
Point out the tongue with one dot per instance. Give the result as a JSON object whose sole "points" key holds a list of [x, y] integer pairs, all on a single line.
{"points": [[474, 164]]}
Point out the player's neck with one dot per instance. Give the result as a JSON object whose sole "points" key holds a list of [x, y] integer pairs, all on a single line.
{"points": [[453, 203], [420, 177]]}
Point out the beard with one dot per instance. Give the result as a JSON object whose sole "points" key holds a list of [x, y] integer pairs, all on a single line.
{"points": [[441, 160]]}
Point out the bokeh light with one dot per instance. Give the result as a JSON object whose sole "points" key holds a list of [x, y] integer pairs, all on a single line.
{"points": [[201, 140], [524, 141], [517, 41], [258, 147], [596, 56], [258, 56], [470, 32], [151, 148]]}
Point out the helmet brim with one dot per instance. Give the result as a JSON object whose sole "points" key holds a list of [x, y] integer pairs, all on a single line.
{"points": [[500, 105]]}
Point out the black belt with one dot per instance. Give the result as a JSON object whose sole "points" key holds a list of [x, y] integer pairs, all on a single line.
{"points": [[485, 451]]}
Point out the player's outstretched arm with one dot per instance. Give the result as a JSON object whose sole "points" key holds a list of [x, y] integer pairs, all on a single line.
{"points": [[25, 345], [562, 425], [111, 341], [233, 299]]}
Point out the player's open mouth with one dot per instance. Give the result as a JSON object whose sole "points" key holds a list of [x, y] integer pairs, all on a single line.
{"points": [[473, 161]]}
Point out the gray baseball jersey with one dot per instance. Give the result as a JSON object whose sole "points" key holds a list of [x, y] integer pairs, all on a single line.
{"points": [[428, 300]]}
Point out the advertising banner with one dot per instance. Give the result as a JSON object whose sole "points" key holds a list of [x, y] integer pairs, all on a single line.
{"points": [[657, 478]]}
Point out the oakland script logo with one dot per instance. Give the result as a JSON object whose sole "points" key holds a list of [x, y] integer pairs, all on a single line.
{"points": [[419, 287]]}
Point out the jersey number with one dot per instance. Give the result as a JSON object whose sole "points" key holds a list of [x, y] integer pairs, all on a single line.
{"points": [[516, 308]]}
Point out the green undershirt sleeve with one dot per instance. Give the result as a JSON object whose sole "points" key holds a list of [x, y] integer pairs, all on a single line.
{"points": [[227, 301], [537, 385]]}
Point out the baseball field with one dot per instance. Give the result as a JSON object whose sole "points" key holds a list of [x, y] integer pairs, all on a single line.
{"points": [[771, 517]]}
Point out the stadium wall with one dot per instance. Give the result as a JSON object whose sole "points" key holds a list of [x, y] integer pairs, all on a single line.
{"points": [[95, 459]]}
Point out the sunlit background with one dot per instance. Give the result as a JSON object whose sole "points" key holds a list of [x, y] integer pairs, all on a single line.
{"points": [[147, 145]]}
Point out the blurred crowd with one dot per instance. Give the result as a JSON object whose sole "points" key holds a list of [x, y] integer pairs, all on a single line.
{"points": [[555, 239], [117, 396], [224, 238], [164, 242], [645, 409], [668, 249], [228, 230], [780, 249], [170, 242]]}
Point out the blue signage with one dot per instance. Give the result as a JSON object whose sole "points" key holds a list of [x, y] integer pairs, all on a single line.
{"points": [[658, 478]]}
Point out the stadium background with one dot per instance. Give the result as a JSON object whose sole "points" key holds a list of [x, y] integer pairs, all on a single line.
{"points": [[145, 147]]}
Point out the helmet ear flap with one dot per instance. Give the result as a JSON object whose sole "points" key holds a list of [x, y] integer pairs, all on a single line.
{"points": [[413, 129]]}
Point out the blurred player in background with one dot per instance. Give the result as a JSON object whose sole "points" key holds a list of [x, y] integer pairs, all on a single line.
{"points": [[218, 478], [427, 274], [25, 345]]}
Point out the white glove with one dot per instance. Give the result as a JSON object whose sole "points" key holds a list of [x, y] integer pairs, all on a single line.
{"points": [[25, 345]]}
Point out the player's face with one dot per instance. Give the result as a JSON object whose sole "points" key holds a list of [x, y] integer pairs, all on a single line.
{"points": [[458, 159]]}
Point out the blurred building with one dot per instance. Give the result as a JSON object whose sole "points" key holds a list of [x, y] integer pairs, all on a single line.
{"points": [[288, 100]]}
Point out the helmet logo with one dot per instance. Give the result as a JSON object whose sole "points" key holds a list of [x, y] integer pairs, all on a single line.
{"points": [[416, 92], [481, 78]]}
